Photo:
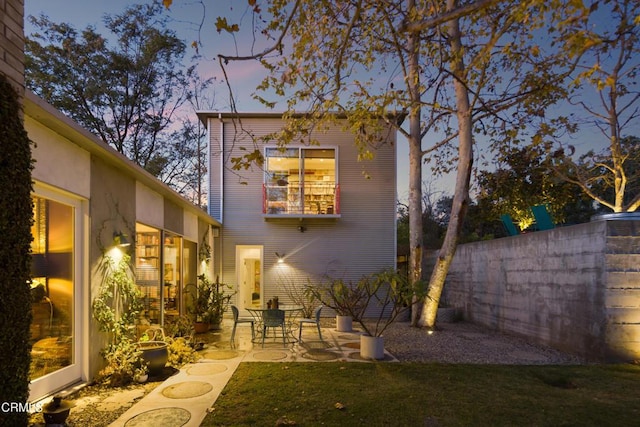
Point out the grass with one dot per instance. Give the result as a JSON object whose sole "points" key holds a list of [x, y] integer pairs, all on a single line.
{"points": [[416, 394]]}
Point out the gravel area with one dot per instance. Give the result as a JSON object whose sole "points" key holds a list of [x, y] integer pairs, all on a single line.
{"points": [[462, 342]]}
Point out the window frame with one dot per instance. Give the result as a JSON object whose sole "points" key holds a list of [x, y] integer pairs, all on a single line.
{"points": [[301, 212]]}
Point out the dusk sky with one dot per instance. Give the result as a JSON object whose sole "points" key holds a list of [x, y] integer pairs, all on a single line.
{"points": [[244, 76]]}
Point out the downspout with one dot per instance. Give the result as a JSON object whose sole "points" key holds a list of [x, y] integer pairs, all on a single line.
{"points": [[221, 264], [221, 168]]}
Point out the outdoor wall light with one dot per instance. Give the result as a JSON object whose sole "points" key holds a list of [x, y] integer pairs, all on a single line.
{"points": [[302, 228], [120, 239], [280, 258]]}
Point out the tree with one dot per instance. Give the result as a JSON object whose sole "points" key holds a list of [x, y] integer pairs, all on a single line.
{"points": [[127, 94], [605, 89], [451, 70], [522, 179]]}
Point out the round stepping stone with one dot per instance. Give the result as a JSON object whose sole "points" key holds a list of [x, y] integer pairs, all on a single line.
{"points": [[206, 369], [270, 355], [187, 389], [157, 417], [352, 345], [220, 354], [320, 354]]}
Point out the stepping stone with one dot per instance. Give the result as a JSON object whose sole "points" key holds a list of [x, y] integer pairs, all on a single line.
{"points": [[270, 355], [320, 355], [187, 389], [160, 417], [206, 369], [220, 354]]}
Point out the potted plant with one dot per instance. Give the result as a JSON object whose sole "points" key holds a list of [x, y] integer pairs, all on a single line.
{"points": [[347, 300], [390, 295], [209, 303]]}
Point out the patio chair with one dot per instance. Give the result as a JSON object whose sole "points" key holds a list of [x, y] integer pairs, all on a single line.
{"points": [[509, 226], [543, 219], [237, 319], [273, 319], [314, 321]]}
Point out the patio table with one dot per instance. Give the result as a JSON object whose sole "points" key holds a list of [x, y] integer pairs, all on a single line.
{"points": [[290, 313]]}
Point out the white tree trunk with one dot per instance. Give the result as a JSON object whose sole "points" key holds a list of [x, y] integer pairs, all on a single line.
{"points": [[461, 195]]}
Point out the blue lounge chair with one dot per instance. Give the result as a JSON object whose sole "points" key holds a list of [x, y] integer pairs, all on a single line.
{"points": [[509, 226], [543, 219]]}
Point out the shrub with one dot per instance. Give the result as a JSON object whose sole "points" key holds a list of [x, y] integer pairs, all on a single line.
{"points": [[16, 212]]}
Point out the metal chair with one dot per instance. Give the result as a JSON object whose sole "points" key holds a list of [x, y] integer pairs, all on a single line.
{"points": [[315, 320], [237, 319], [273, 319]]}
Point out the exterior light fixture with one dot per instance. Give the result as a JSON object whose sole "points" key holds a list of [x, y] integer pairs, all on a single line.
{"points": [[120, 239], [280, 258]]}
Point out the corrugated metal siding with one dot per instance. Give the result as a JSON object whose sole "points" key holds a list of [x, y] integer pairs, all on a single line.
{"points": [[362, 241], [215, 169]]}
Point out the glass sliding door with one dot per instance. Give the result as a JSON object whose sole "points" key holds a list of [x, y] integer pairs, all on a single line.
{"points": [[55, 354]]}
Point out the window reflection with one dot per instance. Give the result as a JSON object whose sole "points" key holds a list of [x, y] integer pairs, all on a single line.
{"points": [[52, 286]]}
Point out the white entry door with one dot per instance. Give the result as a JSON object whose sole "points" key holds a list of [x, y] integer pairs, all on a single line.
{"points": [[249, 274]]}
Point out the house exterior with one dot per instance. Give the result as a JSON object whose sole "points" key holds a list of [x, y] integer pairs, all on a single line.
{"points": [[308, 213], [88, 199]]}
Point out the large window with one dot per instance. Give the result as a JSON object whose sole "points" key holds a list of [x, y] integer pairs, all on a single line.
{"points": [[165, 264], [52, 287], [301, 181]]}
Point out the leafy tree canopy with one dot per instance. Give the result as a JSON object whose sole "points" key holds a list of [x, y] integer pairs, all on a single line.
{"points": [[605, 100], [127, 92]]}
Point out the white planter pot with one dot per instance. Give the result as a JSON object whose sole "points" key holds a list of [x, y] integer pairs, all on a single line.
{"points": [[371, 347], [344, 323]]}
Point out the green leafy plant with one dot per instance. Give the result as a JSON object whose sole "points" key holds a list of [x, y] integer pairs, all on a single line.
{"points": [[179, 326], [210, 301], [124, 363], [390, 294], [116, 308], [345, 299], [180, 352]]}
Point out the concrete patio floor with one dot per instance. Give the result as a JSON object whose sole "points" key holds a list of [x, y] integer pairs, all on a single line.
{"points": [[185, 397]]}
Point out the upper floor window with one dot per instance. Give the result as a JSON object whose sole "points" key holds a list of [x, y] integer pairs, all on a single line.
{"points": [[301, 181]]}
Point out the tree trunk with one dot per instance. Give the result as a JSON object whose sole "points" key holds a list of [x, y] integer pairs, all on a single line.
{"points": [[461, 195], [415, 167]]}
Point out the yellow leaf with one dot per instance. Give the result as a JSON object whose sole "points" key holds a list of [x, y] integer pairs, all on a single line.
{"points": [[167, 3], [535, 51]]}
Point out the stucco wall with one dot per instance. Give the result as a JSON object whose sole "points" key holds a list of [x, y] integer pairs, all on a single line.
{"points": [[575, 288]]}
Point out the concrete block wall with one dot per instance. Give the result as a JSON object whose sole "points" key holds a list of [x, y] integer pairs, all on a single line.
{"points": [[622, 291], [12, 42], [574, 288]]}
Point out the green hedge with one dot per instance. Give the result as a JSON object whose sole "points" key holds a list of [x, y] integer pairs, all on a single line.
{"points": [[15, 239]]}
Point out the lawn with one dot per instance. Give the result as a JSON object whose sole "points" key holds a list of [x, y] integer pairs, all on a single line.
{"points": [[416, 394]]}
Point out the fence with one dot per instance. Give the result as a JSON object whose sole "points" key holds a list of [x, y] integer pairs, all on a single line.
{"points": [[574, 288]]}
